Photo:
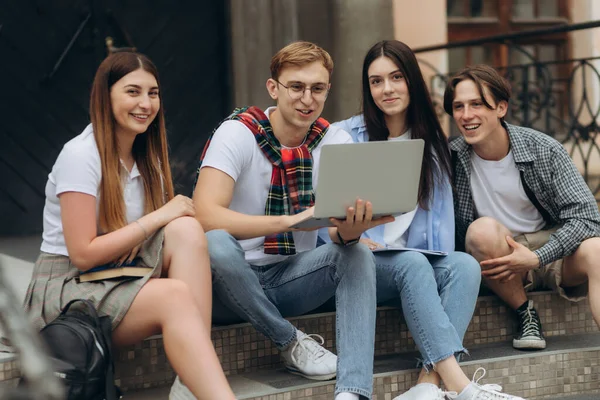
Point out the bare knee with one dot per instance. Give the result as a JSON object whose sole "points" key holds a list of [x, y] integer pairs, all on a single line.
{"points": [[173, 299], [486, 238], [185, 231], [160, 303], [586, 257]]}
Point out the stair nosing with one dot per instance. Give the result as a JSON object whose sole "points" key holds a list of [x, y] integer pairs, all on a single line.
{"points": [[312, 384]]}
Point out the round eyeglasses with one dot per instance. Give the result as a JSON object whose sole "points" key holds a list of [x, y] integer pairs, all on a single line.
{"points": [[296, 90]]}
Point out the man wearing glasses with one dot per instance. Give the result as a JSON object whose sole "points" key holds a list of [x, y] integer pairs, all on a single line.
{"points": [[255, 180]]}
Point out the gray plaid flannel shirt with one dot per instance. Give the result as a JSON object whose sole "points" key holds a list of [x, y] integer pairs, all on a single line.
{"points": [[547, 169]]}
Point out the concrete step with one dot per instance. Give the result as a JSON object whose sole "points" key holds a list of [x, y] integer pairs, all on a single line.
{"points": [[567, 370], [163, 393], [242, 349]]}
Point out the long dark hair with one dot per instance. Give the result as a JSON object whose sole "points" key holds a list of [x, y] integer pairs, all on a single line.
{"points": [[420, 115]]}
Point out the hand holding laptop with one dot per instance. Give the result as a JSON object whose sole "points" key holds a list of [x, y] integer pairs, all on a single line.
{"points": [[358, 219]]}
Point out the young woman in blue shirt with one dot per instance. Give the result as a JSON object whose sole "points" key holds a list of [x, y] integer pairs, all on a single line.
{"points": [[438, 293]]}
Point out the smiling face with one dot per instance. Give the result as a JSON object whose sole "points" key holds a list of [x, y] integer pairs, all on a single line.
{"points": [[388, 86], [477, 123], [135, 102], [299, 114]]}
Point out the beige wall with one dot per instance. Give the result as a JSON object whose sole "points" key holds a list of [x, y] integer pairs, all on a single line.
{"points": [[423, 23], [420, 24]]}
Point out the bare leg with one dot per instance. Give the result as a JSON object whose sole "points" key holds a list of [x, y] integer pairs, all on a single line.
{"points": [[180, 308], [584, 266], [167, 305], [431, 377], [185, 256], [486, 239], [453, 376]]}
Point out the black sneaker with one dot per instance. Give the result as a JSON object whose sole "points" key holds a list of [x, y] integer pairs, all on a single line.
{"points": [[530, 330]]}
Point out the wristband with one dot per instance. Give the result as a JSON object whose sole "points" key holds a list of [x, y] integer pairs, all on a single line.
{"points": [[346, 243]]}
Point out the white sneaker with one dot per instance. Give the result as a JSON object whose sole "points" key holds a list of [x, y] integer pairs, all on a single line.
{"points": [[180, 392], [423, 391], [475, 391], [310, 359]]}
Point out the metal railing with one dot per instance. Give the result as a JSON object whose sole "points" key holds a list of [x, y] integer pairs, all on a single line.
{"points": [[560, 98]]}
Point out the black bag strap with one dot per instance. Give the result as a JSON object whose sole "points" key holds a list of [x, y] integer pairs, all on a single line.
{"points": [[111, 388]]}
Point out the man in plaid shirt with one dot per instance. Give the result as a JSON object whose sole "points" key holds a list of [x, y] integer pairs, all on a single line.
{"points": [[521, 206]]}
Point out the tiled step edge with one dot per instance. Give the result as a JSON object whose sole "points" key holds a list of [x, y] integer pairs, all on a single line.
{"points": [[242, 349], [570, 365], [566, 368]]}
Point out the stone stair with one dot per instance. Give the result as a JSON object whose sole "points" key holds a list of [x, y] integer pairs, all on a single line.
{"points": [[569, 366]]}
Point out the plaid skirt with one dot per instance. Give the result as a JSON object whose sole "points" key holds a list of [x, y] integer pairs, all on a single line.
{"points": [[55, 282]]}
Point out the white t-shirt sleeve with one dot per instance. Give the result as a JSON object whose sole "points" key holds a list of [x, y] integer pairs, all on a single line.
{"points": [[230, 149], [77, 170]]}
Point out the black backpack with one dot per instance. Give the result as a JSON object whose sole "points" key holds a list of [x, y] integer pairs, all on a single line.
{"points": [[80, 346]]}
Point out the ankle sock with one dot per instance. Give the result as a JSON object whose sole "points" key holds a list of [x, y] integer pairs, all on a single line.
{"points": [[346, 396]]}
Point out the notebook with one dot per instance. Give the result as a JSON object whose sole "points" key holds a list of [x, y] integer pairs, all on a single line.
{"points": [[426, 252], [111, 271]]}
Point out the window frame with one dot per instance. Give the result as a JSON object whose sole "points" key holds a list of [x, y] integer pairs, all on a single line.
{"points": [[467, 28]]}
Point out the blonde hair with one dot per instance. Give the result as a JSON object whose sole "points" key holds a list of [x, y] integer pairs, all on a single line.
{"points": [[299, 54], [149, 148]]}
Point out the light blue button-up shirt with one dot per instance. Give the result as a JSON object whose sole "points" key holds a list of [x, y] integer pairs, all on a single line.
{"points": [[431, 229]]}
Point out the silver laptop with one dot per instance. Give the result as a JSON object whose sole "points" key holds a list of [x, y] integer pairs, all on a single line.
{"points": [[386, 173]]}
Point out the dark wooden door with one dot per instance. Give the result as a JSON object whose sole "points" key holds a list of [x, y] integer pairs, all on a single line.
{"points": [[49, 52]]}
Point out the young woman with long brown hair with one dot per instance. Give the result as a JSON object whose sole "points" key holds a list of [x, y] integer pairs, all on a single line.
{"points": [[437, 292], [109, 199]]}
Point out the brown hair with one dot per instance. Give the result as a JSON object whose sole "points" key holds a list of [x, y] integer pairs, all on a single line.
{"points": [[299, 54], [483, 76], [420, 115], [149, 148]]}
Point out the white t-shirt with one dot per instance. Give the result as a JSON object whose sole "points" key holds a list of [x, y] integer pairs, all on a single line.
{"points": [[395, 234], [78, 169], [498, 192], [233, 150]]}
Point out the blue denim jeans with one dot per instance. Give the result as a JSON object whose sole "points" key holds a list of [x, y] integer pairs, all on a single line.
{"points": [[437, 294], [264, 295]]}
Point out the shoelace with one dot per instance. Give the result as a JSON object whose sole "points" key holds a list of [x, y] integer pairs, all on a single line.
{"points": [[442, 394], [491, 390], [531, 325], [310, 345]]}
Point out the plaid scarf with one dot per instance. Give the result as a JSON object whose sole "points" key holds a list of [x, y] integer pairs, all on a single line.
{"points": [[291, 179]]}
